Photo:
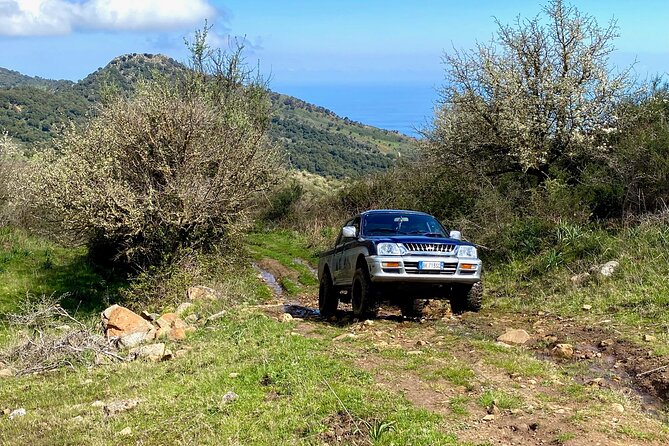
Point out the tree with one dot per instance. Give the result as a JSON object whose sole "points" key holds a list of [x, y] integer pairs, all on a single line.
{"points": [[176, 165], [539, 95]]}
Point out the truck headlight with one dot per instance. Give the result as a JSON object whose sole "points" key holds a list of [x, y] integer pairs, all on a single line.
{"points": [[390, 249], [467, 252]]}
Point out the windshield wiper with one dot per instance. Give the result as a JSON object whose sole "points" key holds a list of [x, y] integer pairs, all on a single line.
{"points": [[426, 234]]}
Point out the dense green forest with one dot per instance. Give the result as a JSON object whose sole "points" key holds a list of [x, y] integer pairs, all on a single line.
{"points": [[312, 138]]}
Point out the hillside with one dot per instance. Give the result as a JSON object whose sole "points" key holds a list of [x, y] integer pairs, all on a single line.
{"points": [[311, 137]]}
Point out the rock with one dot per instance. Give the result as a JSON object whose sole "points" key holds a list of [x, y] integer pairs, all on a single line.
{"points": [[414, 352], [341, 337], [286, 317], [180, 353], [201, 293], [6, 373], [229, 397], [564, 351], [587, 307], [125, 432], [368, 322], [580, 279], [77, 419], [154, 352], [617, 408], [134, 339], [502, 344], [609, 268], [98, 403], [649, 338], [116, 407], [488, 418], [217, 316], [606, 343], [176, 334], [518, 337], [119, 322], [596, 382], [233, 375], [151, 317], [420, 343], [181, 309], [16, 413]]}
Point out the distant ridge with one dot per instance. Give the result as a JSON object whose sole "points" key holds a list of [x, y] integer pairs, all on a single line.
{"points": [[313, 138]]}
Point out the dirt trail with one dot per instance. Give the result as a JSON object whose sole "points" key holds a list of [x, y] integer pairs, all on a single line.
{"points": [[489, 394]]}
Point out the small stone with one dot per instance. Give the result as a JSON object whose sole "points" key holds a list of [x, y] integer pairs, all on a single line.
{"points": [[97, 403], [488, 418], [617, 408], [368, 322], [341, 337], [420, 343], [16, 413], [6, 373], [564, 351], [414, 352], [294, 333], [580, 279], [596, 382], [609, 268], [532, 381], [606, 343], [233, 375], [649, 338], [116, 407], [286, 317], [133, 339], [502, 344], [229, 397], [201, 293], [125, 432], [149, 351], [181, 309], [77, 419], [587, 307], [180, 353], [176, 334], [518, 337]]}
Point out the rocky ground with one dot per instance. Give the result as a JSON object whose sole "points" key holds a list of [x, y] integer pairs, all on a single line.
{"points": [[503, 379]]}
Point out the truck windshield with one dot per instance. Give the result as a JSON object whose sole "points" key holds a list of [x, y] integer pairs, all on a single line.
{"points": [[402, 224]]}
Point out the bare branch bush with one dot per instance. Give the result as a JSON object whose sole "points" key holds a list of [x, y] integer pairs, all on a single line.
{"points": [[49, 338]]}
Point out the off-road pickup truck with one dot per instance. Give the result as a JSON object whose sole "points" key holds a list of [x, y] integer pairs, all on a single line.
{"points": [[401, 257]]}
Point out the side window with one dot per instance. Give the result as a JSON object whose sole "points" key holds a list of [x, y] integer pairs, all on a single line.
{"points": [[341, 238], [356, 223]]}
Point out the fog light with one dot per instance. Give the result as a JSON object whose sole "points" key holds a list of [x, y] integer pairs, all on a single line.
{"points": [[468, 266], [390, 264]]}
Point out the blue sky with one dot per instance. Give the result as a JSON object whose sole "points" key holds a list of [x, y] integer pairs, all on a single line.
{"points": [[298, 42]]}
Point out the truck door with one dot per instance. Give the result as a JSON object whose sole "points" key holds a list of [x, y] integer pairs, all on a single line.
{"points": [[337, 257], [350, 253]]}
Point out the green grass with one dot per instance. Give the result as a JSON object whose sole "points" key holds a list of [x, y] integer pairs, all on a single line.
{"points": [[288, 248], [31, 265], [289, 392], [636, 295], [499, 398]]}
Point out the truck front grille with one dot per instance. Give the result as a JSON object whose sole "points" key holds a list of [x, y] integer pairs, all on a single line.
{"points": [[429, 247], [412, 268]]}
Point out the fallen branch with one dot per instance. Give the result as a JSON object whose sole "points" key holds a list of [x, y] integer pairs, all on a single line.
{"points": [[656, 369]]}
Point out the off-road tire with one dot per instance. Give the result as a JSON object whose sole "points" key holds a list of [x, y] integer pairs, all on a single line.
{"points": [[413, 308], [362, 295], [328, 298], [466, 298]]}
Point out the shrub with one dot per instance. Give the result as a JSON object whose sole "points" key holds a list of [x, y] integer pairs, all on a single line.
{"points": [[175, 166]]}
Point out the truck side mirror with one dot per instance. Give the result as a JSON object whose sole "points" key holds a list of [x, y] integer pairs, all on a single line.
{"points": [[457, 235], [349, 232]]}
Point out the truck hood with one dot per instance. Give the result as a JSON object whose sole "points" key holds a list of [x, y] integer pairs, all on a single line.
{"points": [[416, 239]]}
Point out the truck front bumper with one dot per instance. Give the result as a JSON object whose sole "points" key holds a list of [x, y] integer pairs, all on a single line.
{"points": [[421, 269]]}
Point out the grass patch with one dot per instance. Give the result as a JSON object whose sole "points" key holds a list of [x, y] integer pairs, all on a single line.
{"points": [[458, 405], [499, 398], [288, 389], [32, 265]]}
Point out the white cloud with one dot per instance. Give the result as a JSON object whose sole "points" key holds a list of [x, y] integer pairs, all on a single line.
{"points": [[52, 17]]}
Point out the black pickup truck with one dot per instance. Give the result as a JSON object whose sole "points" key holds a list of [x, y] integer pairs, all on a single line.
{"points": [[400, 257]]}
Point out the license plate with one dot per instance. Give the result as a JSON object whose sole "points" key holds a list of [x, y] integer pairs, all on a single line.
{"points": [[430, 265]]}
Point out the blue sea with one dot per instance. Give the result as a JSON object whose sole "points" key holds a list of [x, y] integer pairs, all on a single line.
{"points": [[407, 108]]}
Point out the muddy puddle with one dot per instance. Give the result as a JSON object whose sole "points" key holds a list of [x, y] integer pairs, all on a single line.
{"points": [[270, 280]]}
